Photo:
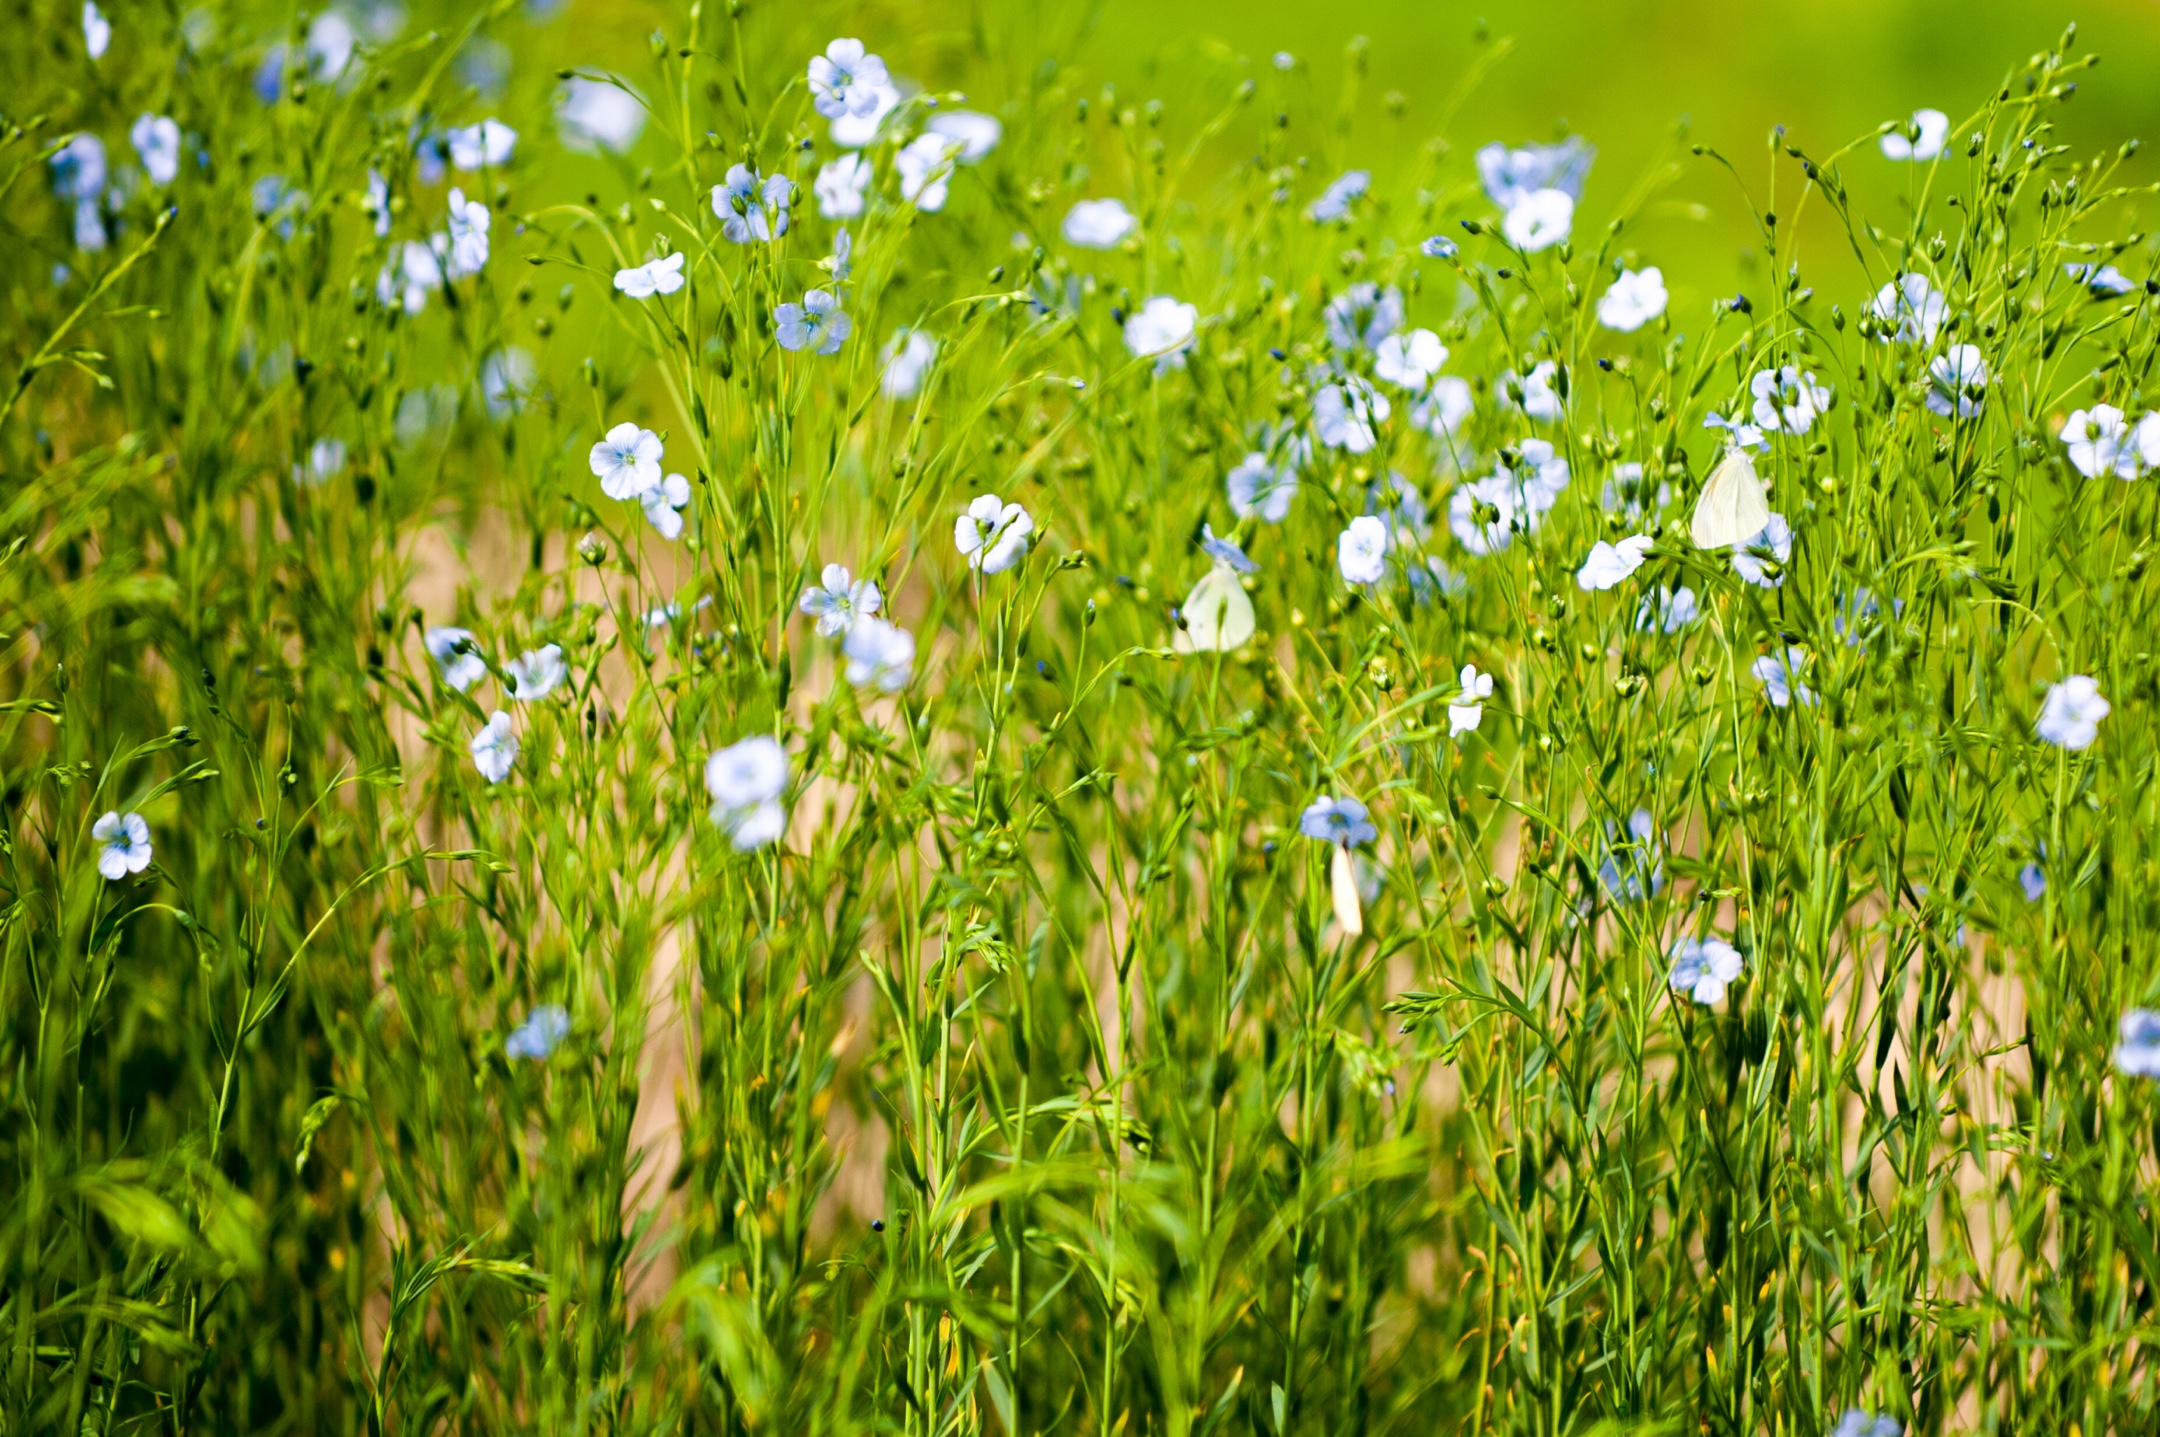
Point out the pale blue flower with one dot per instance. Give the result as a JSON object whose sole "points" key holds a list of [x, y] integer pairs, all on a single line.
{"points": [[879, 655], [817, 324], [487, 145], [992, 535], [656, 276], [97, 30], [907, 360], [455, 653], [845, 80], [746, 781], [1335, 201], [839, 601], [1098, 224], [1226, 551], [2070, 716], [469, 221], [123, 841], [599, 114], [1754, 560], [536, 673], [1634, 869], [538, 1036], [2103, 280], [752, 207], [1511, 175], [1920, 138], [495, 748], [1702, 968], [1261, 490], [627, 461], [664, 503], [1337, 820], [925, 166], [1363, 315], [1779, 674], [1855, 1422], [842, 187], [157, 140], [1439, 247]]}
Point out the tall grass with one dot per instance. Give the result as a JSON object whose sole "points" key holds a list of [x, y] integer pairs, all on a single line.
{"points": [[1032, 1080]]}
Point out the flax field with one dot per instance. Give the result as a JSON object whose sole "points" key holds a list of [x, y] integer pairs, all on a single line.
{"points": [[725, 718]]}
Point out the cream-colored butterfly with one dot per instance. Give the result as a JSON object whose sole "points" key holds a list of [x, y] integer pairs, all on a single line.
{"points": [[1342, 880], [1218, 614], [1733, 507]]}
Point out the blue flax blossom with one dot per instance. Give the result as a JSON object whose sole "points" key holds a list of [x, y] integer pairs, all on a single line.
{"points": [[1859, 1423], [538, 1036], [1338, 821], [1336, 200], [123, 841], [746, 781], [818, 324], [1702, 968], [750, 206], [839, 601]]}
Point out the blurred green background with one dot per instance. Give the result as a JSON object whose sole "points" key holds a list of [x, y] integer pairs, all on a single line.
{"points": [[1626, 73]]}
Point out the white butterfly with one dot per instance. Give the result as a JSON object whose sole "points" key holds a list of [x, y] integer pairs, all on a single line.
{"points": [[1342, 880], [1218, 614], [1733, 507]]}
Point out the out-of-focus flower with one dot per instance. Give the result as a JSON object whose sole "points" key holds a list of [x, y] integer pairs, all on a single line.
{"points": [[508, 380], [1857, 1423], [1508, 175], [843, 185], [1779, 674], [123, 841], [907, 360], [1667, 610], [2102, 279], [1913, 306], [1702, 968], [96, 29], [1540, 396], [925, 164], [1774, 544], [1636, 298], [1468, 710], [1609, 565], [495, 748], [838, 601], [1260, 489], [1163, 328], [2070, 715], [376, 204], [627, 461], [1335, 201], [752, 207], [1361, 550], [2099, 443], [487, 145], [1787, 399], [817, 324], [1539, 220], [330, 42], [1744, 435], [746, 781], [469, 221], [157, 140], [1098, 224], [855, 132], [656, 276], [845, 80], [1347, 414], [879, 655], [78, 169], [1498, 497], [325, 461], [664, 503], [540, 1034], [1441, 409], [1438, 247], [2137, 1055], [536, 673], [1363, 315], [454, 652], [1409, 360], [1337, 820], [1920, 138], [2032, 878], [599, 114], [992, 535], [976, 134], [1225, 551], [1957, 381], [1634, 869]]}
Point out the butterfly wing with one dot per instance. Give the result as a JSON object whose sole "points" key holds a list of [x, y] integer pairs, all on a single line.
{"points": [[1218, 614], [1342, 884], [1733, 507]]}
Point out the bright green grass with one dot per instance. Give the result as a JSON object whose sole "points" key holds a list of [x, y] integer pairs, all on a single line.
{"points": [[1029, 1085]]}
